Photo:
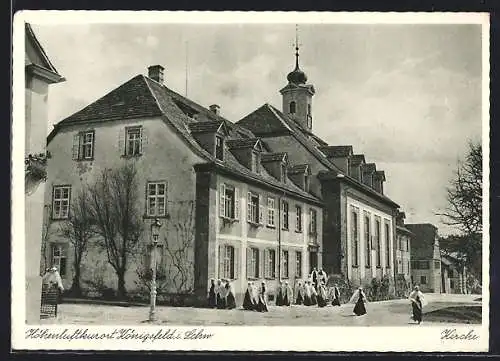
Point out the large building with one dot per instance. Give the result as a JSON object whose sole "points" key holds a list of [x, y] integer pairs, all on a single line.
{"points": [[403, 254], [39, 74], [270, 199], [425, 257], [359, 219], [231, 208]]}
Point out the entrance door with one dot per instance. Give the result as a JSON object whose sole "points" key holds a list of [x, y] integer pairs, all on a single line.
{"points": [[313, 260]]}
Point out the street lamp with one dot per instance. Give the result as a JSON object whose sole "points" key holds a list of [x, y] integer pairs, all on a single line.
{"points": [[155, 233]]}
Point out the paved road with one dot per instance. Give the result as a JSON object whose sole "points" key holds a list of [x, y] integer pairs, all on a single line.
{"points": [[386, 313]]}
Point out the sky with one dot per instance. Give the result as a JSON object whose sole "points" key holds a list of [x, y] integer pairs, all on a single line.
{"points": [[406, 96]]}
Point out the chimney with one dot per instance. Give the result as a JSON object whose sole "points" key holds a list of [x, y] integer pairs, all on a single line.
{"points": [[155, 72], [214, 108]]}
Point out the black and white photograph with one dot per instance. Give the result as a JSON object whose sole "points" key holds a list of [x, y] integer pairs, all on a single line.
{"points": [[191, 179]]}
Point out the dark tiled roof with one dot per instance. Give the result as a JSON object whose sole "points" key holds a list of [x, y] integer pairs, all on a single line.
{"points": [[242, 143], [263, 121], [298, 169], [369, 167], [205, 127], [358, 159], [272, 157], [335, 151]]}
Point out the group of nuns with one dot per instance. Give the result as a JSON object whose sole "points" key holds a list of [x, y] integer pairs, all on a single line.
{"points": [[221, 295]]}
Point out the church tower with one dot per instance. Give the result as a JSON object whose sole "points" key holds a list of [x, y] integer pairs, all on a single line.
{"points": [[297, 95]]}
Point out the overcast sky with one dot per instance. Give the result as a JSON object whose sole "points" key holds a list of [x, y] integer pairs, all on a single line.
{"points": [[407, 96]]}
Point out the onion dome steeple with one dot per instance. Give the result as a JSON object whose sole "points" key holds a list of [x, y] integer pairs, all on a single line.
{"points": [[297, 76]]}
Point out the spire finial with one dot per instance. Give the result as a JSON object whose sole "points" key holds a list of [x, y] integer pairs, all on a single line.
{"points": [[296, 46], [297, 76]]}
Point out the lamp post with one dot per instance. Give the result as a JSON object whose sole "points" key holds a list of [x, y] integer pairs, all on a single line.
{"points": [[155, 232]]}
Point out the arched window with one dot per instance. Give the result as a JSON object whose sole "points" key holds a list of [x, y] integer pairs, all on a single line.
{"points": [[293, 107]]}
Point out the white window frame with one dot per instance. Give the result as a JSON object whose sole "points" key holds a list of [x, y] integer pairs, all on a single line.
{"points": [[218, 147], [253, 208], [61, 203], [271, 263], [298, 218], [298, 264], [133, 146], [286, 215], [285, 256], [271, 211], [87, 145], [228, 270], [154, 211], [387, 229], [355, 236], [254, 262], [62, 251], [368, 239], [313, 221], [378, 242]]}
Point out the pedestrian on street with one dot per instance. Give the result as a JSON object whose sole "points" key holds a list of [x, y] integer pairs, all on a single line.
{"points": [[335, 296], [322, 295], [314, 295], [212, 297], [417, 303], [262, 305], [230, 298], [300, 297], [359, 298], [314, 277], [248, 300], [279, 294], [288, 295]]}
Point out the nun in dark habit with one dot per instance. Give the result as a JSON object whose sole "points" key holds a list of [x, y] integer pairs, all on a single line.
{"points": [[417, 303], [307, 293], [212, 298], [248, 300], [279, 294], [230, 298], [335, 296], [221, 295], [359, 298], [300, 298], [314, 295], [288, 297], [262, 305], [322, 295]]}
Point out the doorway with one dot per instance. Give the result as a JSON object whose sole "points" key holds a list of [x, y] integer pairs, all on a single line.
{"points": [[313, 260]]}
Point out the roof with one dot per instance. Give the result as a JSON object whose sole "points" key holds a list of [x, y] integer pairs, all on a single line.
{"points": [[242, 143], [298, 169], [403, 229], [267, 121], [357, 159], [369, 167], [337, 151], [142, 97]]}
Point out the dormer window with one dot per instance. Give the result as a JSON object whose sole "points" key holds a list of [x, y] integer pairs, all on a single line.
{"points": [[255, 162], [293, 107], [283, 173], [219, 148], [306, 182], [309, 109]]}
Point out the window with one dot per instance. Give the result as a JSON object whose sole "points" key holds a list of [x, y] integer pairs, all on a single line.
{"points": [[219, 148], [255, 162], [387, 246], [298, 219], [285, 215], [156, 199], [228, 262], [285, 264], [229, 202], [312, 223], [270, 211], [368, 248], [83, 145], [423, 280], [270, 263], [254, 214], [420, 264], [133, 141], [293, 107], [60, 202], [59, 257], [298, 264], [377, 242], [253, 263], [354, 237], [452, 284], [437, 264]]}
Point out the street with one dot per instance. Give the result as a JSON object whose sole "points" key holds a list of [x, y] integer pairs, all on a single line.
{"points": [[384, 313]]}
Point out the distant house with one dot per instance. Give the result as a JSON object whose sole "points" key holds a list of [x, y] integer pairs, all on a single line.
{"points": [[454, 274], [39, 74], [403, 254], [425, 257]]}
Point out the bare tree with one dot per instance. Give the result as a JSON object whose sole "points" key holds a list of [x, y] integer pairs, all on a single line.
{"points": [[113, 204], [464, 208], [78, 229], [179, 247]]}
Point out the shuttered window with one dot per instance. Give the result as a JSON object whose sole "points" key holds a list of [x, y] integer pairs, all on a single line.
{"points": [[253, 263], [228, 262]]}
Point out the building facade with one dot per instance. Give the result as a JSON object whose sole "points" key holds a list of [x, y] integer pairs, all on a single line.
{"points": [[231, 208], [39, 75], [403, 255], [358, 218], [453, 274], [425, 257]]}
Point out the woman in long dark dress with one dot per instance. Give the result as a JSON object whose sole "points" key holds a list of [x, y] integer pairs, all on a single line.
{"points": [[248, 300], [307, 293], [288, 295], [230, 299], [300, 299], [262, 305], [279, 295], [336, 296], [212, 298], [322, 295], [360, 298], [417, 303], [221, 295], [314, 295]]}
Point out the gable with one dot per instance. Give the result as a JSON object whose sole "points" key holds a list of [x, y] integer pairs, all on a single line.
{"points": [[34, 53]]}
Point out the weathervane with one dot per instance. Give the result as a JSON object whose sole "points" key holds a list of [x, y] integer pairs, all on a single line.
{"points": [[297, 45]]}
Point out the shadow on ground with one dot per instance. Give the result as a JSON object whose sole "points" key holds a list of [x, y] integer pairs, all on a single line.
{"points": [[463, 314]]}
